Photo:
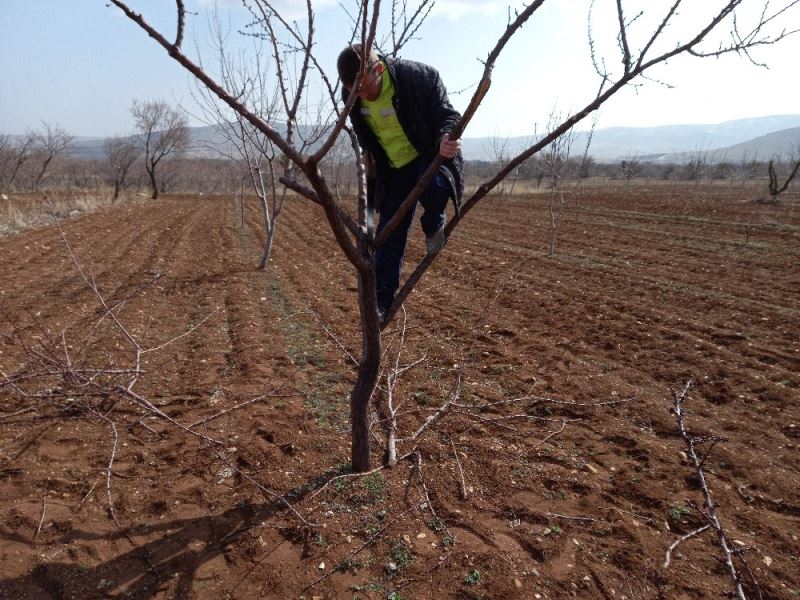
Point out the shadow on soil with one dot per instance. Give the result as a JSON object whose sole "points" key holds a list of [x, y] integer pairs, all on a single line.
{"points": [[169, 563]]}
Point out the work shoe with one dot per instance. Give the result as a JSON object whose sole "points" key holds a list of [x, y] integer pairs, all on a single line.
{"points": [[435, 241]]}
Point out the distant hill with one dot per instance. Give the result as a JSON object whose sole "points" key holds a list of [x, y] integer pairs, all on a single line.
{"points": [[616, 143], [780, 144], [759, 137]]}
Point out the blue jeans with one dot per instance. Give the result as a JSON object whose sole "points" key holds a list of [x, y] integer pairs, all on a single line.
{"points": [[396, 186]]}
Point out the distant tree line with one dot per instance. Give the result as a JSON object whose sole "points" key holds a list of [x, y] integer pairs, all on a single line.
{"points": [[153, 160], [629, 169]]}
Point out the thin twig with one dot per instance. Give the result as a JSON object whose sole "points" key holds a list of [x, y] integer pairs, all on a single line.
{"points": [[711, 514], [430, 421], [266, 491], [355, 475], [463, 487], [86, 497], [418, 465], [633, 514], [350, 556], [109, 471], [238, 406], [19, 412], [552, 434], [189, 331], [569, 518], [41, 519], [673, 545]]}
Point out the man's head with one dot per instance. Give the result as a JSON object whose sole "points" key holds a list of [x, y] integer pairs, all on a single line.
{"points": [[348, 65]]}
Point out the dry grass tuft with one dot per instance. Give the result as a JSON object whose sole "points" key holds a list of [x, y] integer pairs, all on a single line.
{"points": [[23, 211]]}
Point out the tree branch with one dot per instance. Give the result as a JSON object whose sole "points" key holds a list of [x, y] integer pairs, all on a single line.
{"points": [[477, 98]]}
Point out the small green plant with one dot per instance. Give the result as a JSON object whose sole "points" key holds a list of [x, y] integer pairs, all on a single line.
{"points": [[554, 529], [375, 485], [435, 524], [422, 398], [448, 540], [473, 578], [353, 565], [678, 511], [520, 469], [368, 587], [553, 494], [394, 596], [401, 554]]}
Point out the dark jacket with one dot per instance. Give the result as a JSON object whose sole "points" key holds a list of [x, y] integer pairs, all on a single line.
{"points": [[425, 114]]}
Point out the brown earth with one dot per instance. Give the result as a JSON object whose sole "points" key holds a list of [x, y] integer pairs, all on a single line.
{"points": [[576, 489]]}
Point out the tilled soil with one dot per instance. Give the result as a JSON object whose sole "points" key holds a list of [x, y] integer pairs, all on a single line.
{"points": [[561, 370]]}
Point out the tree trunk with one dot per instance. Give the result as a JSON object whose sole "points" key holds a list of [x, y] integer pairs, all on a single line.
{"points": [[116, 191], [368, 370], [151, 172], [269, 227], [38, 181], [262, 264]]}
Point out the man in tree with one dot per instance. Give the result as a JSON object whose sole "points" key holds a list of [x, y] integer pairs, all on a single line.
{"points": [[402, 119]]}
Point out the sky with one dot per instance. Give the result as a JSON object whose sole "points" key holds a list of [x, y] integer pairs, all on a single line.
{"points": [[79, 64]]}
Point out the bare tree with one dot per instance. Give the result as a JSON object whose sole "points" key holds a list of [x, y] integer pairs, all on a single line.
{"points": [[557, 165], [49, 144], [499, 151], [164, 132], [775, 189], [121, 153], [14, 153], [587, 166], [722, 170], [6, 157], [241, 141], [630, 168], [554, 160], [638, 54], [743, 169], [697, 168]]}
